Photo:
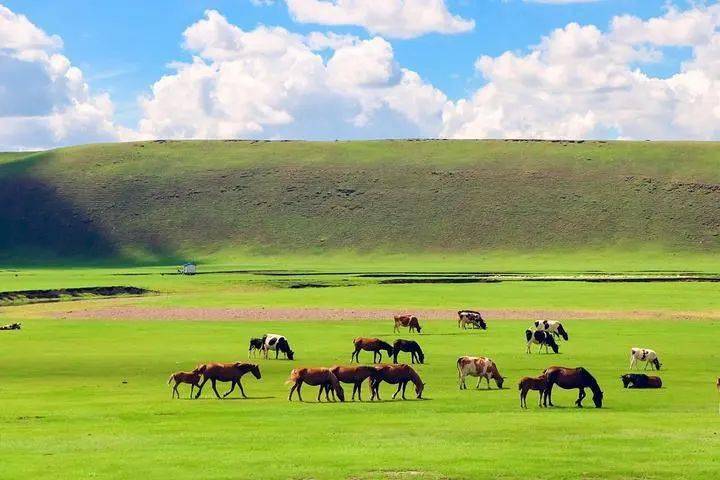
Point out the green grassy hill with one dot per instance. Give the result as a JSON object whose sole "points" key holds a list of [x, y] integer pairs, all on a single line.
{"points": [[165, 201]]}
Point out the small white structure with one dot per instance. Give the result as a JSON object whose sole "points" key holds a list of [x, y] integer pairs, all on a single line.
{"points": [[188, 269]]}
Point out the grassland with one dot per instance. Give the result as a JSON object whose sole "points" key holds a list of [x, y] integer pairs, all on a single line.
{"points": [[87, 398], [238, 201]]}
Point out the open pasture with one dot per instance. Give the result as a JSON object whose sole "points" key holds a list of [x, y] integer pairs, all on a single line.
{"points": [[86, 396]]}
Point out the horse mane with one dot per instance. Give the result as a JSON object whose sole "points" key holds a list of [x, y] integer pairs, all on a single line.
{"points": [[415, 377], [592, 383]]}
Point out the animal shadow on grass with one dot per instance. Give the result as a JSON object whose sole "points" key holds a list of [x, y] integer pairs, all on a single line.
{"points": [[226, 399]]}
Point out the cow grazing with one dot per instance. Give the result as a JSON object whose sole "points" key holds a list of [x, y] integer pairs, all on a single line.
{"points": [[11, 326], [321, 377], [399, 375], [226, 372], [279, 344], [411, 346], [355, 375], [256, 345], [374, 345], [480, 367], [640, 380], [553, 327], [191, 378], [542, 338], [410, 321], [472, 318], [532, 383], [644, 355]]}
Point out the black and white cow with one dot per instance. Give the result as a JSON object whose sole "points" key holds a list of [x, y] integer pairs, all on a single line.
{"points": [[471, 317], [552, 326], [644, 355], [640, 380], [256, 345], [542, 338], [11, 326], [278, 343]]}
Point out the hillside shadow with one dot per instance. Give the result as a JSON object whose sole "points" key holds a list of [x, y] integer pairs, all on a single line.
{"points": [[38, 224]]}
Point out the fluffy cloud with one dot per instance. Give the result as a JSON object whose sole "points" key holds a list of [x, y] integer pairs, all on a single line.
{"points": [[580, 82], [390, 18], [44, 100], [271, 83]]}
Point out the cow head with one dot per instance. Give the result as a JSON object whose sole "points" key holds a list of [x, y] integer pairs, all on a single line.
{"points": [[290, 354], [625, 380], [657, 363], [551, 341], [499, 381]]}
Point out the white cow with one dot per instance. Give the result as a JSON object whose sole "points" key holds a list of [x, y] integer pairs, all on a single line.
{"points": [[644, 355]]}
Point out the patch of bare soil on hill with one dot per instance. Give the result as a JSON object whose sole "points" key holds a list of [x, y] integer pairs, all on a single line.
{"points": [[130, 312]]}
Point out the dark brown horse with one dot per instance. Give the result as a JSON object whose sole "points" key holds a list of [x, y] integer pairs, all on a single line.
{"points": [[569, 378], [226, 372], [321, 377], [355, 375], [374, 345], [398, 375], [410, 346]]}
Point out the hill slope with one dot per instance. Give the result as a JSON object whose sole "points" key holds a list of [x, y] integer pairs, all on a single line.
{"points": [[165, 200]]}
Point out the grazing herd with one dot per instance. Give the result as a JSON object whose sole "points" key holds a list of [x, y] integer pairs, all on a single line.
{"points": [[329, 381]]}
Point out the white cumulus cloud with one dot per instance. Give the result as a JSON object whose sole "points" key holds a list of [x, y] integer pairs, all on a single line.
{"points": [[272, 83], [44, 100], [389, 18], [581, 82]]}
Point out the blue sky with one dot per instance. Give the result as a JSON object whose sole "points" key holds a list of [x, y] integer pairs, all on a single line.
{"points": [[123, 48]]}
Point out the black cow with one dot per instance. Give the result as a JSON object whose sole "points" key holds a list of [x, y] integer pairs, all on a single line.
{"points": [[541, 338]]}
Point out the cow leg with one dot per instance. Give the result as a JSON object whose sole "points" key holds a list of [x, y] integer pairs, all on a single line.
{"points": [[581, 395], [232, 387], [398, 391], [200, 387], [477, 387], [528, 346], [646, 365], [214, 387]]}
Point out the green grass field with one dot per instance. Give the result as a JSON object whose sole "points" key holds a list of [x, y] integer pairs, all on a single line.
{"points": [[87, 398]]}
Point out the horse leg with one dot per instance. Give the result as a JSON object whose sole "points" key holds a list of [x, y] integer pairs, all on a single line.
{"points": [[232, 387], [322, 387], [192, 387], [404, 385], [174, 391], [398, 391], [200, 387], [242, 392], [300, 384], [358, 386], [523, 394], [214, 387], [548, 396], [294, 387], [581, 395]]}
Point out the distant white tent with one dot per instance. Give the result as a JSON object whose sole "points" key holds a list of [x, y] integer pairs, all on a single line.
{"points": [[188, 269]]}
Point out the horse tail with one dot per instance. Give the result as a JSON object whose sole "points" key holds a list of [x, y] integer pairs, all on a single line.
{"points": [[171, 378]]}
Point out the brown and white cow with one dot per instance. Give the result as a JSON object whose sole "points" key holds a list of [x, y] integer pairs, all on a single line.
{"points": [[406, 321], [481, 367]]}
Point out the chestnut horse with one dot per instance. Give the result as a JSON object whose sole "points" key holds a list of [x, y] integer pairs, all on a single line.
{"points": [[532, 383], [191, 378], [374, 345], [321, 377], [398, 375], [569, 378], [355, 375], [226, 372]]}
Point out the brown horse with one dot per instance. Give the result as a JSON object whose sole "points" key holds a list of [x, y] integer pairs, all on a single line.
{"points": [[355, 375], [406, 321], [321, 377], [226, 372], [569, 378], [374, 345], [532, 383], [398, 375], [191, 378]]}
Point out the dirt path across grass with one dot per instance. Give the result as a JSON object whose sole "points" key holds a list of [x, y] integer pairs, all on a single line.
{"points": [[130, 312]]}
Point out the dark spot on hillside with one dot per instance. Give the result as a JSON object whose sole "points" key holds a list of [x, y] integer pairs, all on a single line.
{"points": [[438, 280]]}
